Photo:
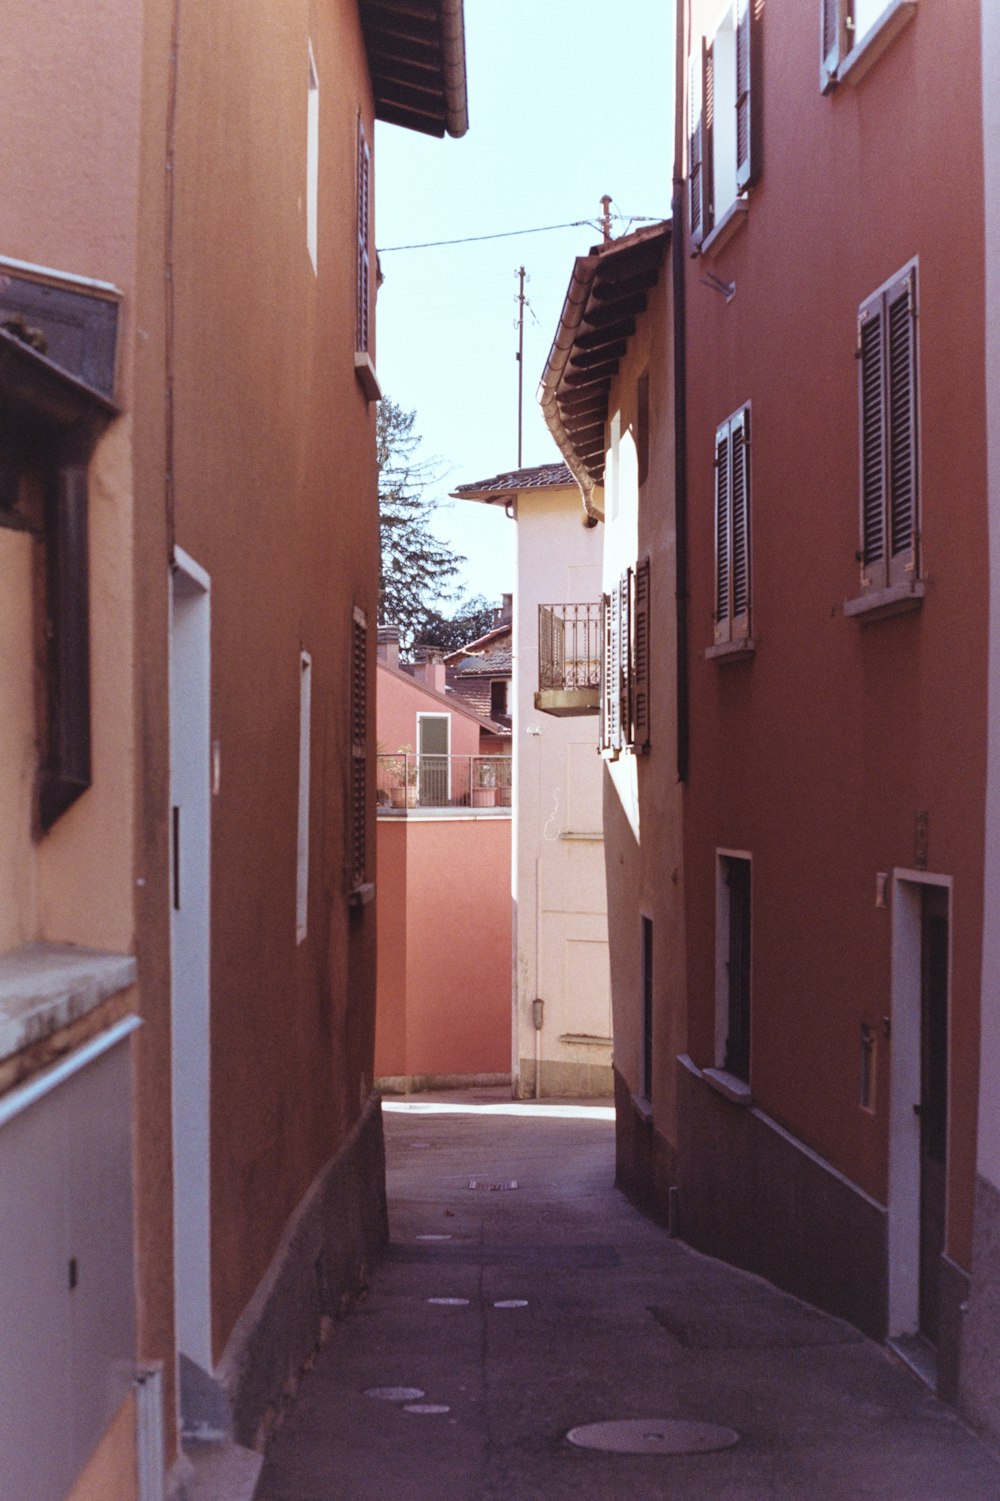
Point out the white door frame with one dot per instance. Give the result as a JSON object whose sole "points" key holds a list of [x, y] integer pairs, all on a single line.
{"points": [[904, 1094], [190, 857]]}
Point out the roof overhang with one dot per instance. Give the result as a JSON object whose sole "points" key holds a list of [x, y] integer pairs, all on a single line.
{"points": [[607, 292], [416, 55]]}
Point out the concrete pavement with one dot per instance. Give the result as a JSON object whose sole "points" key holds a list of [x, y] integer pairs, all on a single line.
{"points": [[607, 1318]]}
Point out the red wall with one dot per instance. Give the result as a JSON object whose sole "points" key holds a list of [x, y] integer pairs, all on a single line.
{"points": [[817, 754], [444, 963]]}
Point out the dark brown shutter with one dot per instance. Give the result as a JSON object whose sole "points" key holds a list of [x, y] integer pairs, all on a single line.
{"points": [[640, 656], [871, 420], [613, 679], [624, 659], [831, 35], [901, 420], [722, 533], [739, 448], [748, 16], [359, 745], [362, 334], [707, 137], [696, 142], [606, 695]]}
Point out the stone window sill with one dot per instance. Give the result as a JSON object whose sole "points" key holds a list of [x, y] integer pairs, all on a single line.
{"points": [[732, 220], [880, 604], [737, 1091], [732, 651], [876, 40], [364, 374], [47, 986]]}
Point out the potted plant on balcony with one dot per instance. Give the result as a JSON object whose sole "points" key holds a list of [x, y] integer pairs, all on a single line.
{"points": [[404, 781], [484, 791]]}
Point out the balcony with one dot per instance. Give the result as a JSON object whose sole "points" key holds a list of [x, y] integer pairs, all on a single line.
{"points": [[409, 781], [569, 659]]}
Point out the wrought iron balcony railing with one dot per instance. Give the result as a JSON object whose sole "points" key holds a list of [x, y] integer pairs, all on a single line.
{"points": [[411, 780], [569, 658]]}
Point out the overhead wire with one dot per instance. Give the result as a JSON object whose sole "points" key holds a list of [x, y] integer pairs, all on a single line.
{"points": [[507, 234]]}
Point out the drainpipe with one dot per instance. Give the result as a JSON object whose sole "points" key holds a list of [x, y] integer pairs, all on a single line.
{"points": [[677, 239], [453, 60], [573, 310]]}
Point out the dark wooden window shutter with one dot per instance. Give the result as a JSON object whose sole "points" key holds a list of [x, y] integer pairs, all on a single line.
{"points": [[739, 448], [358, 861], [696, 143], [749, 135], [614, 670], [722, 532], [871, 416], [363, 332], [831, 41], [640, 657], [624, 659], [606, 679], [901, 414], [707, 136]]}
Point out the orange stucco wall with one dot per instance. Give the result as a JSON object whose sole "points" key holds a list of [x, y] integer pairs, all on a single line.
{"points": [[401, 699], [444, 912], [111, 1470]]}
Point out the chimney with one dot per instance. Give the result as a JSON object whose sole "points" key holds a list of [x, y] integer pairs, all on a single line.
{"points": [[388, 645], [429, 668]]}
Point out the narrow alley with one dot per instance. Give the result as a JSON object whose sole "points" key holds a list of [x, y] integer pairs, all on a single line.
{"points": [[521, 1296]]}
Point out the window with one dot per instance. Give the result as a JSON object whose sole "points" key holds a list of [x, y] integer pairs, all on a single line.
{"points": [[855, 33], [498, 698], [312, 160], [362, 343], [724, 117], [732, 1027], [647, 1010], [887, 415], [732, 529], [625, 663], [302, 856], [358, 841]]}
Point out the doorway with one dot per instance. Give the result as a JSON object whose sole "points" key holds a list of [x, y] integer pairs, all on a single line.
{"points": [[433, 746], [918, 1176], [190, 825]]}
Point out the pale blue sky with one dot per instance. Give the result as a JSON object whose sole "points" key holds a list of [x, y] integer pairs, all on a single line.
{"points": [[568, 99]]}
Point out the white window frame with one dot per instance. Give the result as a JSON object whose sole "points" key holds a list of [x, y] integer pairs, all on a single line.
{"points": [[850, 44], [312, 163]]}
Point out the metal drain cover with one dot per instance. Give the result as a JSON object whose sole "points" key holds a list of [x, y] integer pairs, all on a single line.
{"points": [[492, 1185], [428, 1409], [653, 1436], [395, 1393]]}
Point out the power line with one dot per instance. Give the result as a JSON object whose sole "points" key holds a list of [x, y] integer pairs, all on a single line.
{"points": [[507, 234]]}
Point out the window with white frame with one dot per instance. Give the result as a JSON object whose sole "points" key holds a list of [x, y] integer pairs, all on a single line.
{"points": [[725, 149], [887, 417], [732, 528], [853, 33], [362, 343], [625, 700], [312, 161]]}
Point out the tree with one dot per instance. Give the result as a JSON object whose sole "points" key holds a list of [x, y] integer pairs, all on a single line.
{"points": [[415, 567], [471, 619]]}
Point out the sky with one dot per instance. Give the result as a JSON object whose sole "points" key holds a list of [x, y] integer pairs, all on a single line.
{"points": [[568, 100]]}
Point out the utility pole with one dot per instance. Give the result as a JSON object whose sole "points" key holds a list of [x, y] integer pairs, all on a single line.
{"points": [[520, 361], [606, 218]]}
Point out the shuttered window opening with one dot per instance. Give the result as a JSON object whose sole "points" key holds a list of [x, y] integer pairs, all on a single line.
{"points": [[887, 419], [852, 29], [358, 821], [732, 528], [724, 116], [625, 675], [362, 334]]}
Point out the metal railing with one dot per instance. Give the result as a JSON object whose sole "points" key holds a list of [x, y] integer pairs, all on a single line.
{"points": [[410, 780], [569, 646]]}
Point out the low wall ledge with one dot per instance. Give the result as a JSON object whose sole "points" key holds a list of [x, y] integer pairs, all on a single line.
{"points": [[46, 986]]}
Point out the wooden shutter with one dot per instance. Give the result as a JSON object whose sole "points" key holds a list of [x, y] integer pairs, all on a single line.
{"points": [[707, 136], [362, 334], [748, 19], [901, 426], [831, 42], [722, 533], [640, 657], [624, 659], [739, 526], [871, 422], [358, 857], [696, 142], [604, 734], [612, 680]]}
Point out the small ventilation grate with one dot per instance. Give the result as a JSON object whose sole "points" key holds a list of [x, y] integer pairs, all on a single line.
{"points": [[493, 1185]]}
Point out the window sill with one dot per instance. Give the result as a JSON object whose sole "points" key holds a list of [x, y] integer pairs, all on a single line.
{"points": [[732, 220], [360, 896], [875, 41], [737, 1091], [44, 987], [881, 604], [364, 374], [643, 1108], [731, 651]]}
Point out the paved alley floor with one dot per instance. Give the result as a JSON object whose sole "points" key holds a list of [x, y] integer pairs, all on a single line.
{"points": [[505, 1316]]}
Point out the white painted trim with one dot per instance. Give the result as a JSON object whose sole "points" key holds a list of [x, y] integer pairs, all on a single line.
{"points": [[184, 563], [48, 273], [36, 1089], [904, 1094], [312, 161], [420, 753]]}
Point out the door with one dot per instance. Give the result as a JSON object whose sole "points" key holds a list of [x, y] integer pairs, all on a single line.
{"points": [[933, 1107], [433, 737]]}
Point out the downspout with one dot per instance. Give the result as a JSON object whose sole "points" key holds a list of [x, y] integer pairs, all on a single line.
{"points": [[677, 242], [572, 314], [453, 62]]}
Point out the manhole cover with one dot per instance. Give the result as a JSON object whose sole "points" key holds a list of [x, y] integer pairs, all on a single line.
{"points": [[449, 1302], [395, 1393], [492, 1185], [511, 1303], [434, 1237], [653, 1436], [426, 1408]]}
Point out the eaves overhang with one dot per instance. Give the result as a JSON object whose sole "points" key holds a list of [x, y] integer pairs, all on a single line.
{"points": [[416, 57], [607, 292]]}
